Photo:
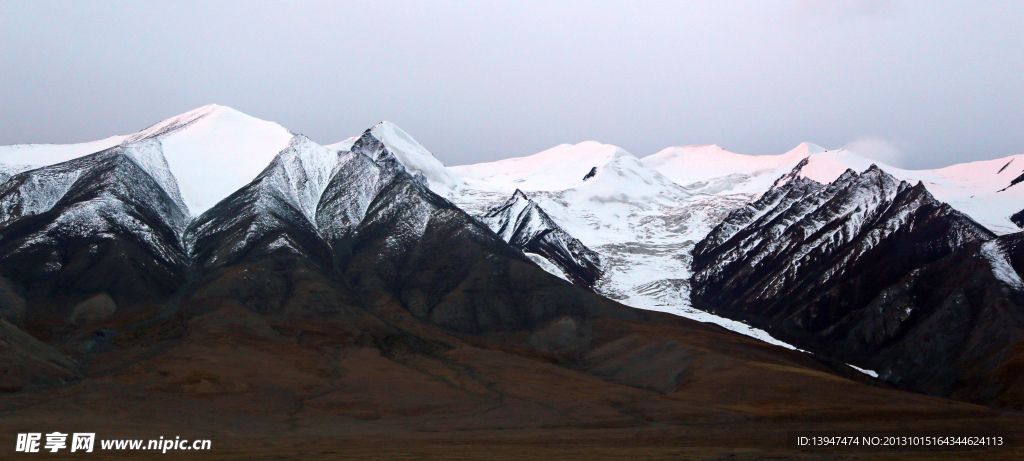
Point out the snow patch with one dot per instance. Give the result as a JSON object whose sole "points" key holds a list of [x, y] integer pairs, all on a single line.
{"points": [[867, 372], [1001, 267], [547, 266]]}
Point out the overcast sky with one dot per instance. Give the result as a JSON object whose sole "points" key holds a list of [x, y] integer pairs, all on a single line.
{"points": [[917, 84]]}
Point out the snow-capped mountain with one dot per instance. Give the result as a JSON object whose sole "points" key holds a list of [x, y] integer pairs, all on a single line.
{"points": [[413, 157], [209, 152], [92, 239], [985, 190], [394, 238], [214, 205], [830, 267], [640, 223], [276, 211], [716, 171], [522, 223], [802, 240]]}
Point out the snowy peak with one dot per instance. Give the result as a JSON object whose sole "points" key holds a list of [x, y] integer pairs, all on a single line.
{"points": [[800, 239], [176, 123], [208, 152], [518, 211], [214, 151], [344, 145], [986, 190], [39, 155], [416, 159], [562, 167], [826, 166], [805, 149], [713, 170]]}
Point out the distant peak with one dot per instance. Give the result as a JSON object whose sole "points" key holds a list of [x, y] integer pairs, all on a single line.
{"points": [[210, 107], [591, 148], [415, 158], [178, 122], [520, 194], [702, 147], [812, 148], [397, 139], [847, 175], [807, 148]]}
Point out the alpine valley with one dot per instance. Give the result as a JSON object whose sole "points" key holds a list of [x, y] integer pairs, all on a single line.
{"points": [[219, 276]]}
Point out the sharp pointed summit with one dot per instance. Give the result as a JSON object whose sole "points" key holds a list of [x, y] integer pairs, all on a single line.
{"points": [[386, 142]]}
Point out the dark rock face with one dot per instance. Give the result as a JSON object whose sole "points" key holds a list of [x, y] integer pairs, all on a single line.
{"points": [[271, 214], [1018, 218], [97, 224], [325, 302], [391, 235], [952, 327], [868, 271], [523, 224], [260, 249], [811, 255]]}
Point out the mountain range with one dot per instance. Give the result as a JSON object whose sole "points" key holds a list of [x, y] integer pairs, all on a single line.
{"points": [[580, 286]]}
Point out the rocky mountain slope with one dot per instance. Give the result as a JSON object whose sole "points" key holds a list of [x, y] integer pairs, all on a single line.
{"points": [[875, 272], [641, 224], [210, 152], [391, 313], [373, 247], [988, 191], [523, 224], [90, 241]]}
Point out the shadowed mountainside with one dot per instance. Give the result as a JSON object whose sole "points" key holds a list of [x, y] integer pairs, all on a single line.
{"points": [[387, 312]]}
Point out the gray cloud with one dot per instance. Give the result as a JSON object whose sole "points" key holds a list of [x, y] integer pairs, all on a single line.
{"points": [[478, 81], [880, 149], [845, 9]]}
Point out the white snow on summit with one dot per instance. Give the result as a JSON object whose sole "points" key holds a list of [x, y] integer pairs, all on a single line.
{"points": [[344, 145], [416, 158], [220, 152], [981, 189], [641, 223], [49, 154], [413, 156], [211, 152], [713, 170], [558, 168]]}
